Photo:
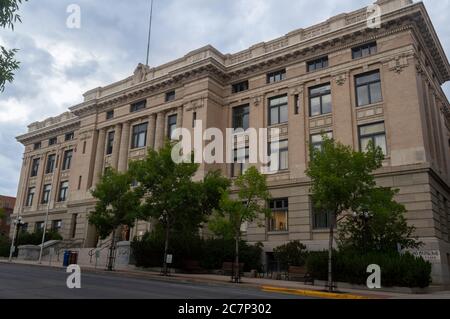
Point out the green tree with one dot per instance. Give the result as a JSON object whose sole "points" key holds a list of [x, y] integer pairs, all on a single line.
{"points": [[248, 205], [2, 213], [340, 177], [172, 197], [377, 224], [117, 205], [8, 64]]}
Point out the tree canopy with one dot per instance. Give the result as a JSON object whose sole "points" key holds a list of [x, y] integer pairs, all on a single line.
{"points": [[117, 203], [8, 64]]}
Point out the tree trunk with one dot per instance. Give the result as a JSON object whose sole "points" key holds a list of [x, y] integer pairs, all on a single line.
{"points": [[166, 250], [236, 266], [330, 255], [111, 250]]}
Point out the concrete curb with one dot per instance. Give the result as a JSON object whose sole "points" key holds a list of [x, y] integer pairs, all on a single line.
{"points": [[312, 293]]}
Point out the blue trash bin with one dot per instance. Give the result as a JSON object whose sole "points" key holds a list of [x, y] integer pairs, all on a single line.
{"points": [[66, 258]]}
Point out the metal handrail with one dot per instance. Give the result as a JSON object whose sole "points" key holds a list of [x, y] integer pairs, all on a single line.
{"points": [[103, 246]]}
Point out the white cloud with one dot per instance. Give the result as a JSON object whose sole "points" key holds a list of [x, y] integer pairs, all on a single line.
{"points": [[60, 64]]}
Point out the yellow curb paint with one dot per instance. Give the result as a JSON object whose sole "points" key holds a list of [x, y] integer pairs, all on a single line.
{"points": [[311, 293]]}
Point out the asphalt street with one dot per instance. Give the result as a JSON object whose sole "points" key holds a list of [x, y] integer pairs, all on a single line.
{"points": [[31, 282]]}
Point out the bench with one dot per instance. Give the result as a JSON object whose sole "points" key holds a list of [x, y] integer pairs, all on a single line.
{"points": [[299, 273], [227, 268], [193, 267]]}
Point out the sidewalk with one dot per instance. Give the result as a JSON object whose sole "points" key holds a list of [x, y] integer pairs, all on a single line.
{"points": [[268, 285]]}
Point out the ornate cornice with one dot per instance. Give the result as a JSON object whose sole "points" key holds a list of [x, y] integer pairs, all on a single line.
{"points": [[50, 131], [319, 39]]}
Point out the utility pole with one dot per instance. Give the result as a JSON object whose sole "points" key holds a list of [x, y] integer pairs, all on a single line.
{"points": [[149, 32]]}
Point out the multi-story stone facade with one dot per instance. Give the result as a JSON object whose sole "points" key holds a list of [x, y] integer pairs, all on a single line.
{"points": [[340, 76]]}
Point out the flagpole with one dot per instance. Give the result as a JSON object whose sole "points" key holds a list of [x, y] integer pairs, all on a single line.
{"points": [[149, 32]]}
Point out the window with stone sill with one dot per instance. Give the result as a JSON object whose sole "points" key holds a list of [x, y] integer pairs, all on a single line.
{"points": [[46, 194], [320, 100], [139, 136], [67, 160], [110, 143], [51, 160], [34, 167], [368, 88], [30, 196], [278, 110], [317, 139], [279, 219], [374, 133]]}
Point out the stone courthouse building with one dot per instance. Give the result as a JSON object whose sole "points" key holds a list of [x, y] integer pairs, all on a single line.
{"points": [[341, 77]]}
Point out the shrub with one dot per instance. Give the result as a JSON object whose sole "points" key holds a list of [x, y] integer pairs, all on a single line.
{"points": [[293, 253], [402, 270], [5, 245], [25, 238], [211, 253]]}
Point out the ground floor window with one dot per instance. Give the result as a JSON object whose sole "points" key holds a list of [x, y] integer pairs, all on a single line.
{"points": [[56, 225], [279, 219], [39, 226]]}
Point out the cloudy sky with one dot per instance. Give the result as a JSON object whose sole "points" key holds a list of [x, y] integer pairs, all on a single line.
{"points": [[59, 64]]}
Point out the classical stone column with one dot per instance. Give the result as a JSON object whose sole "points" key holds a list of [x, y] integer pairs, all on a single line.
{"points": [[99, 157], [151, 131], [116, 146], [124, 146], [180, 117], [160, 133], [57, 179]]}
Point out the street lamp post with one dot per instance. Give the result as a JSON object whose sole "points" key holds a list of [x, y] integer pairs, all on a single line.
{"points": [[17, 223]]}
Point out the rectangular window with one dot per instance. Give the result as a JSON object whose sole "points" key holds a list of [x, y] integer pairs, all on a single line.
{"points": [[318, 64], [56, 225], [320, 219], [30, 196], [278, 110], [46, 193], [79, 182], [241, 116], [241, 163], [317, 140], [110, 143], [279, 219], [368, 88], [283, 155], [296, 104], [276, 76], [37, 146], [138, 106], [170, 96], [52, 141], [375, 133], [63, 191], [67, 161], [171, 125], [69, 136], [34, 167], [139, 137], [320, 100], [84, 147], [239, 87], [51, 159], [110, 114], [194, 118], [364, 50], [39, 227], [73, 225]]}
